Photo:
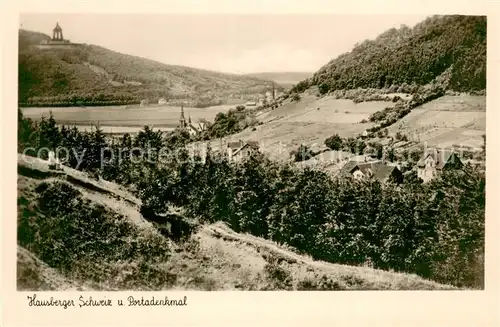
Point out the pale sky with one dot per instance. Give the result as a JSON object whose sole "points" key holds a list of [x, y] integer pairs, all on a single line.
{"points": [[226, 43]]}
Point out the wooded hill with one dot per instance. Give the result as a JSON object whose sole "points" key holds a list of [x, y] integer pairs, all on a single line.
{"points": [[93, 75], [452, 44]]}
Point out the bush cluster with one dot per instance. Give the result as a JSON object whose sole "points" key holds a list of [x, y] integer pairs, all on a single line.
{"points": [[75, 236]]}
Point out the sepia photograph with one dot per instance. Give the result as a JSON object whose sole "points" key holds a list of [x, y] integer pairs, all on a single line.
{"points": [[251, 152]]}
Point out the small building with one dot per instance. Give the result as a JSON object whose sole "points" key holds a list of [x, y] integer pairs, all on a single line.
{"points": [[250, 104], [433, 162], [240, 149], [376, 169], [233, 147], [191, 128], [162, 101], [195, 129]]}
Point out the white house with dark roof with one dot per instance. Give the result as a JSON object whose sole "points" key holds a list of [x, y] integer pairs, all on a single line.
{"points": [[433, 162], [374, 169], [240, 149]]}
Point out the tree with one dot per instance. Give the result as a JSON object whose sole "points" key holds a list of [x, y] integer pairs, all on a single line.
{"points": [[324, 88], [303, 153], [391, 154], [49, 136], [334, 142]]}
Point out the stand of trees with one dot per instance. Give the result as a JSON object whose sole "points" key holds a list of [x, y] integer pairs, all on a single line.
{"points": [[411, 56]]}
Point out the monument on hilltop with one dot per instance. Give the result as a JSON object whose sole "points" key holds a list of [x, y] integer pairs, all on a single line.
{"points": [[57, 40], [57, 34]]}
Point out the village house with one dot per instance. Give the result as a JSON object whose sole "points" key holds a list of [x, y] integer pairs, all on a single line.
{"points": [[240, 149], [191, 128], [162, 101], [376, 169], [433, 162], [269, 96]]}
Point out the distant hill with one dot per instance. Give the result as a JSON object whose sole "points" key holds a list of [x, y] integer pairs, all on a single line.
{"points": [[285, 79], [451, 45], [90, 74]]}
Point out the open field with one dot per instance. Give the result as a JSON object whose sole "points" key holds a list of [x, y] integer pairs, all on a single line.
{"points": [[157, 115], [446, 121], [328, 110], [213, 258], [120, 130], [286, 127]]}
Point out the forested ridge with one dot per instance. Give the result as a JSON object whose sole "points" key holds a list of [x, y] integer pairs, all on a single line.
{"points": [[407, 56], [90, 74]]}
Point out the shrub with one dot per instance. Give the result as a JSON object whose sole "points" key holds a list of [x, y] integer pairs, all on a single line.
{"points": [[72, 235], [334, 142], [303, 153], [324, 88]]}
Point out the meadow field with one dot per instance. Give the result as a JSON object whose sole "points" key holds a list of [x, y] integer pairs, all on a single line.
{"points": [[447, 121], [309, 121], [111, 117]]}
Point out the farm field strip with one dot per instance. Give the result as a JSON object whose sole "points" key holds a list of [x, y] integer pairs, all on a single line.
{"points": [[123, 116]]}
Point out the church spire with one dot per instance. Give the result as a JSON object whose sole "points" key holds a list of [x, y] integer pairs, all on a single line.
{"points": [[189, 119], [182, 121]]}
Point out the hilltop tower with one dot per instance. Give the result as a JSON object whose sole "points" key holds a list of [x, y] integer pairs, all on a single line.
{"points": [[57, 34], [182, 121], [57, 41]]}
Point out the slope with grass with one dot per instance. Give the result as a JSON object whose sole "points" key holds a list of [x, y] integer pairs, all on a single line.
{"points": [[111, 246], [407, 66], [90, 74], [308, 121], [449, 121]]}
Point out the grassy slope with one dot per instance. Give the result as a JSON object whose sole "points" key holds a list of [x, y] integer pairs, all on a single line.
{"points": [[444, 122], [35, 275], [447, 121], [451, 49], [288, 126], [90, 70], [214, 258]]}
